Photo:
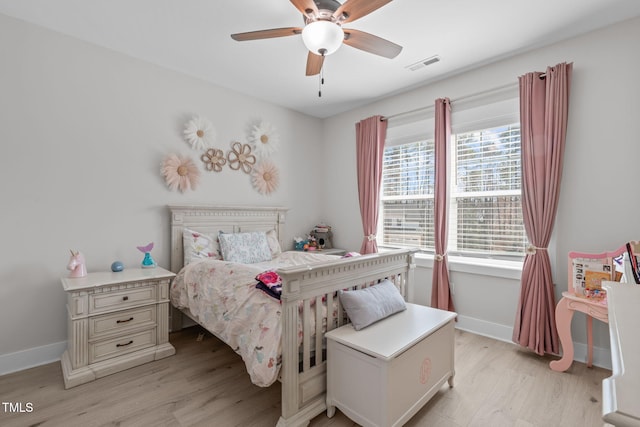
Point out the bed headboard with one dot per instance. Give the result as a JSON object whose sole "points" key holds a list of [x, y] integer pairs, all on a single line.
{"points": [[210, 219]]}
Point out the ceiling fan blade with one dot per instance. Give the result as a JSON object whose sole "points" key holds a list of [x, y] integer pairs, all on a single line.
{"points": [[314, 64], [370, 43], [306, 7], [356, 9], [266, 34]]}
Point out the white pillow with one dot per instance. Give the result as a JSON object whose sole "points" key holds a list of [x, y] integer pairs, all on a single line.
{"points": [[245, 248], [274, 244], [369, 305], [196, 245]]}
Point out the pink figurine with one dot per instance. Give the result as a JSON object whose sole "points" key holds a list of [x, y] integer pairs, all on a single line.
{"points": [[76, 265]]}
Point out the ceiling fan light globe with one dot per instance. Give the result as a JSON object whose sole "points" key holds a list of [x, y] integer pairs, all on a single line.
{"points": [[322, 37]]}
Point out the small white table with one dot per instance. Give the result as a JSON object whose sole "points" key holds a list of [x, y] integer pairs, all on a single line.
{"points": [[383, 374], [621, 391]]}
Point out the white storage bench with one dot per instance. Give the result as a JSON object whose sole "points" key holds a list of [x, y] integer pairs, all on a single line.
{"points": [[383, 374]]}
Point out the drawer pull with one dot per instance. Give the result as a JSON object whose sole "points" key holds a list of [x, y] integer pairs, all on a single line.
{"points": [[125, 321], [125, 298], [124, 345]]}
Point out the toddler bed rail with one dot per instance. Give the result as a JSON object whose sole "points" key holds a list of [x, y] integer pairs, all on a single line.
{"points": [[303, 372]]}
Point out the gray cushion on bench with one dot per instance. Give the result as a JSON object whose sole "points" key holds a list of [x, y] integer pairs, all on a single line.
{"points": [[366, 306]]}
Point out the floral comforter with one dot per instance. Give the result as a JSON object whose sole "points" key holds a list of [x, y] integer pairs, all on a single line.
{"points": [[222, 296]]}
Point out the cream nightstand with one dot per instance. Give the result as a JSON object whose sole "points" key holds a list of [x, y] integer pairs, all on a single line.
{"points": [[115, 321]]}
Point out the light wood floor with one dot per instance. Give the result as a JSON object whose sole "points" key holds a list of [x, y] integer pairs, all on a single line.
{"points": [[205, 384]]}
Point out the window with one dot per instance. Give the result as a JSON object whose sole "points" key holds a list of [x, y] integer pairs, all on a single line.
{"points": [[407, 195], [485, 210], [485, 187]]}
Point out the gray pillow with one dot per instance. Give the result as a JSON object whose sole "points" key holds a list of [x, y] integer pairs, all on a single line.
{"points": [[368, 305]]}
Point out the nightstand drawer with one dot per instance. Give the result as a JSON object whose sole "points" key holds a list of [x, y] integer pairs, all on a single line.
{"points": [[106, 349], [100, 303], [122, 321]]}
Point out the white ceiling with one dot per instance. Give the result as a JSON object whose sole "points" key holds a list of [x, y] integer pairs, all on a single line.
{"points": [[192, 36]]}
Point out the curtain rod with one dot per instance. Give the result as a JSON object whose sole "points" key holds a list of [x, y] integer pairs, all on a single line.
{"points": [[462, 98]]}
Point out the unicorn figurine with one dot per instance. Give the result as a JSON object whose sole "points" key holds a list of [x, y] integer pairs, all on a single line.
{"points": [[148, 261], [76, 265]]}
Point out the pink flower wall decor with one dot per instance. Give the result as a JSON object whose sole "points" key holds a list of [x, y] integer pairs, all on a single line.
{"points": [[180, 173], [265, 177]]}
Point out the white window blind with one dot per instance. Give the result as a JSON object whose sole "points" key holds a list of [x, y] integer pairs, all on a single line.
{"points": [[485, 211], [407, 195], [485, 186]]}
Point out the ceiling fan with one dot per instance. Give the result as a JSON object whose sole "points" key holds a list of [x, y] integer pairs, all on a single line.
{"points": [[323, 33]]}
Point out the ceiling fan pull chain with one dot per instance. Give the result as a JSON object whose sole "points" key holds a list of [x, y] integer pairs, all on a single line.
{"points": [[320, 81]]}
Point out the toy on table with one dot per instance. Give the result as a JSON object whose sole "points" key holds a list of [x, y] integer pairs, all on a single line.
{"points": [[76, 265], [148, 261], [117, 266]]}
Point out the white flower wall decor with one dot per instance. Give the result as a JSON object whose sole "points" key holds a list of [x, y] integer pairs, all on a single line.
{"points": [[199, 133], [265, 139], [265, 177]]}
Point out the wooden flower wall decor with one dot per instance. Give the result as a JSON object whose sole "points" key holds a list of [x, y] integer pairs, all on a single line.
{"points": [[240, 157], [182, 174], [213, 160]]}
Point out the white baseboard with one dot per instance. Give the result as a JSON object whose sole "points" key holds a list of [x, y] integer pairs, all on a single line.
{"points": [[37, 356], [31, 357], [601, 356]]}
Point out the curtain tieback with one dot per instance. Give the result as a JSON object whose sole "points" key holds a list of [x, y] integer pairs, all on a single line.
{"points": [[531, 249], [439, 257], [371, 237]]}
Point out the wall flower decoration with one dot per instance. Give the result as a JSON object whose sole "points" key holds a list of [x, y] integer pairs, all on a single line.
{"points": [[213, 159], [265, 177], [240, 157], [180, 173], [265, 139], [199, 132]]}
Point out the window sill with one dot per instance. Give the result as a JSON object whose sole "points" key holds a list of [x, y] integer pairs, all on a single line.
{"points": [[486, 267]]}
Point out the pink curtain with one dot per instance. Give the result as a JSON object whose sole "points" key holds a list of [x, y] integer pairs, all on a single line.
{"points": [[544, 104], [370, 136], [440, 291]]}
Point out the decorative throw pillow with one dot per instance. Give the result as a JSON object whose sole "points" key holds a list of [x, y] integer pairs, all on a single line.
{"points": [[274, 244], [369, 305], [196, 245], [246, 248], [270, 283]]}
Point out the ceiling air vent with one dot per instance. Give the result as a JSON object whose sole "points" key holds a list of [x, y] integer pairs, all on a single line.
{"points": [[421, 64]]}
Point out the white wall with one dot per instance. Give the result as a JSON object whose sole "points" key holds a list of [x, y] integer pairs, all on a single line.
{"points": [[83, 132], [598, 204]]}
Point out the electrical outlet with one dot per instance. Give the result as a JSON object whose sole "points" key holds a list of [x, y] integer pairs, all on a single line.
{"points": [[452, 286]]}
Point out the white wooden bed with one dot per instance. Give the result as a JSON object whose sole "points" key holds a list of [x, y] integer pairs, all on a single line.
{"points": [[303, 376]]}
